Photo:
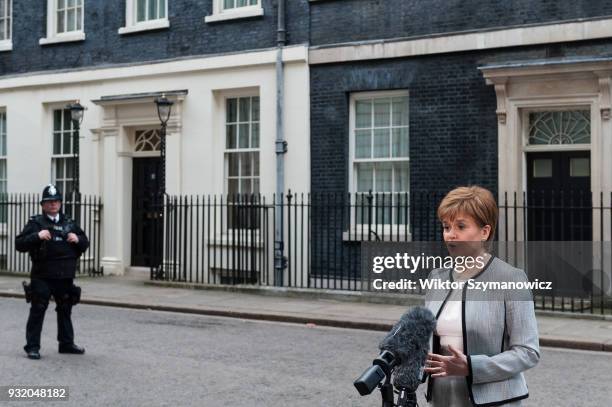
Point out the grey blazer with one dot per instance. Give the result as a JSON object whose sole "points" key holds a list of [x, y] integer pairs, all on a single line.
{"points": [[500, 334]]}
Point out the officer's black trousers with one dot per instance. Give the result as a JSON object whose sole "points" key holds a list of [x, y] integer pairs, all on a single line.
{"points": [[42, 290]]}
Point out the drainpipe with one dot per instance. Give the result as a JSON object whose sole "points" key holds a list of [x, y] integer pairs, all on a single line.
{"points": [[280, 262]]}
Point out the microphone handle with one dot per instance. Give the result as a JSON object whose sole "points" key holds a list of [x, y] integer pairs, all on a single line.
{"points": [[406, 398]]}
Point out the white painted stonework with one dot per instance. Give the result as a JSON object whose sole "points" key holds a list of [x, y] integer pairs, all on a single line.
{"points": [[196, 134], [555, 85]]}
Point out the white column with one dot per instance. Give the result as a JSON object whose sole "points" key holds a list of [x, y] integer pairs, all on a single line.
{"points": [[112, 219]]}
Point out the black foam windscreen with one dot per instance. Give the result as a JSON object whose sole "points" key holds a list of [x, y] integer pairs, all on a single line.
{"points": [[409, 342]]}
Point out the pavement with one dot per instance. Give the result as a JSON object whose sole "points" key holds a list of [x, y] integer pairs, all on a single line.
{"points": [[312, 307]]}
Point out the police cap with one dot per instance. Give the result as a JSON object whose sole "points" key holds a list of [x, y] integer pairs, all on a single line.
{"points": [[51, 193]]}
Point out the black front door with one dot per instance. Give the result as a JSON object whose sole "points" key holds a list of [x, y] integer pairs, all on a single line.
{"points": [[560, 222], [559, 196], [147, 225]]}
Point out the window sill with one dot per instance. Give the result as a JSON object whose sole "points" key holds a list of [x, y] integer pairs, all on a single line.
{"points": [[66, 37], [6, 45], [145, 26], [235, 14]]}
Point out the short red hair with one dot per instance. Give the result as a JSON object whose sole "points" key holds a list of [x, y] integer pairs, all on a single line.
{"points": [[474, 201]]}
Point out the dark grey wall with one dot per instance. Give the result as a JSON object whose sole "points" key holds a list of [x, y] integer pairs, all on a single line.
{"points": [[335, 21], [188, 35], [453, 125]]}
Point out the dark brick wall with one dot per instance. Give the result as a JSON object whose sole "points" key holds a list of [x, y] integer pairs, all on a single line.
{"points": [[188, 35], [452, 119], [335, 21], [453, 135], [453, 126]]}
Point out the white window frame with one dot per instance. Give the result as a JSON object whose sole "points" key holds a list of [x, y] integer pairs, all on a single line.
{"points": [[7, 14], [222, 14], [227, 151], [384, 230], [63, 156], [236, 150], [132, 26], [53, 37]]}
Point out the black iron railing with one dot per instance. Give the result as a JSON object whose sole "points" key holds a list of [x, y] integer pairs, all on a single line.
{"points": [[15, 211], [218, 239]]}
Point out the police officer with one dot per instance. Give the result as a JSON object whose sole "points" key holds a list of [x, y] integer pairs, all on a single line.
{"points": [[55, 243]]}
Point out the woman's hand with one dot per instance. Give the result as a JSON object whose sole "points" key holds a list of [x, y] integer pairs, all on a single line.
{"points": [[442, 366]]}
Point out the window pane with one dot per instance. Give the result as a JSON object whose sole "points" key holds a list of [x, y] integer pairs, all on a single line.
{"points": [[60, 22], [383, 177], [57, 120], [400, 142], [230, 136], [400, 111], [141, 10], [162, 9], [382, 112], [245, 165], [232, 110], [255, 109], [363, 144], [245, 108], [256, 185], [542, 168], [580, 167], [61, 4], [152, 10], [560, 127], [71, 20], [70, 3], [228, 4], [79, 18], [69, 168], [243, 136], [57, 143], [363, 114], [255, 159], [253, 2], [66, 144], [67, 119], [2, 134], [241, 3], [365, 177], [232, 165], [68, 188], [2, 170], [255, 135], [245, 186], [402, 177], [232, 186], [381, 143], [59, 169]]}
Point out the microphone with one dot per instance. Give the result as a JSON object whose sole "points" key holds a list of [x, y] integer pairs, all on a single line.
{"points": [[411, 344], [403, 354]]}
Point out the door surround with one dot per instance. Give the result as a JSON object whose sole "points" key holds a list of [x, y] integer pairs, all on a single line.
{"points": [[122, 115], [550, 85]]}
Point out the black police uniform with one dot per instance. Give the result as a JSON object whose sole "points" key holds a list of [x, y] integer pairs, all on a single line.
{"points": [[53, 270]]}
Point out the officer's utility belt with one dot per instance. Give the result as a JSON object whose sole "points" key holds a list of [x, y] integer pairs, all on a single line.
{"points": [[74, 293]]}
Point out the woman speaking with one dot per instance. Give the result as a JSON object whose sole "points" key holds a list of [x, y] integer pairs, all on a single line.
{"points": [[483, 340]]}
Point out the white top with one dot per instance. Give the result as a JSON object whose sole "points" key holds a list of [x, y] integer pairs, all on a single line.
{"points": [[450, 321], [448, 326]]}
